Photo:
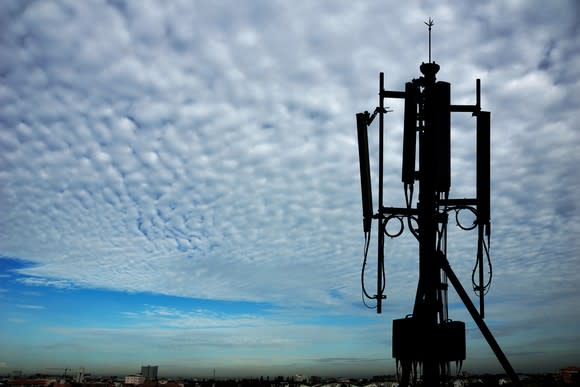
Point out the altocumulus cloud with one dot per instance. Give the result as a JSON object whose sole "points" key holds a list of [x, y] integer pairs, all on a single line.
{"points": [[208, 150], [175, 161]]}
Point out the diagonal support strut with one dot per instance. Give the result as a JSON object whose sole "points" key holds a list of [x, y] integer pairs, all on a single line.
{"points": [[444, 263]]}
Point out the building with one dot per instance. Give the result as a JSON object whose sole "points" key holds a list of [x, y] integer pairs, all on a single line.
{"points": [[135, 379], [149, 372], [570, 374]]}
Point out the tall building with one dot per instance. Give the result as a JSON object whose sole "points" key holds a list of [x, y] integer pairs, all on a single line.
{"points": [[149, 372]]}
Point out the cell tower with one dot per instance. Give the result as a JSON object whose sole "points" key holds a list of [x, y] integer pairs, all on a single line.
{"points": [[427, 339]]}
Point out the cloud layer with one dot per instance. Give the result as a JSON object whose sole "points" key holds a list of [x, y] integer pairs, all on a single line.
{"points": [[209, 151]]}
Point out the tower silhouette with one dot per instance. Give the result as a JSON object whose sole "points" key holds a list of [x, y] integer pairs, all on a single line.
{"points": [[427, 339]]}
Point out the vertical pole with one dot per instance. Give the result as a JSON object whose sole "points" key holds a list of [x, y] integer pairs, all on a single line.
{"points": [[430, 24], [429, 271], [480, 264], [429, 44], [381, 236], [478, 94]]}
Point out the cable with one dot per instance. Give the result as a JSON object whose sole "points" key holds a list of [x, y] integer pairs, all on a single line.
{"points": [[487, 286], [383, 273], [484, 288], [362, 275], [364, 292], [401, 229], [409, 203], [457, 211]]}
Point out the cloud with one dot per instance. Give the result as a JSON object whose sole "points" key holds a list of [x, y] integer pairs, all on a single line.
{"points": [[206, 338], [208, 151], [29, 306]]}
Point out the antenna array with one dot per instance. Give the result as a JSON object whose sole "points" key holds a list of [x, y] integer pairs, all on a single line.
{"points": [[428, 337]]}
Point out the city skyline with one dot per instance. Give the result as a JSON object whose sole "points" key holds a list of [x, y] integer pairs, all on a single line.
{"points": [[179, 182]]}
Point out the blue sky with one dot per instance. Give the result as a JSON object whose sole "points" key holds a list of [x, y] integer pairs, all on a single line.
{"points": [[179, 181]]}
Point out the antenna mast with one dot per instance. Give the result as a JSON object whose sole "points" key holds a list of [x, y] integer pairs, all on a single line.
{"points": [[429, 24], [427, 337]]}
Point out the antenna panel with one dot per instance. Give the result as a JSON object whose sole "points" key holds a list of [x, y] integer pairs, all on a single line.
{"points": [[365, 170], [409, 134], [483, 167], [442, 126]]}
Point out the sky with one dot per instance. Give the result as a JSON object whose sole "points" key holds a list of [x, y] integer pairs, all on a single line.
{"points": [[179, 182]]}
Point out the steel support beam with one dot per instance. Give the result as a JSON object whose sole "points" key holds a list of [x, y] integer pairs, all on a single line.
{"points": [[478, 320]]}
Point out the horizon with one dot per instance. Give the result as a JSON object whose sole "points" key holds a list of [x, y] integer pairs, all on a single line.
{"points": [[180, 181], [213, 374]]}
